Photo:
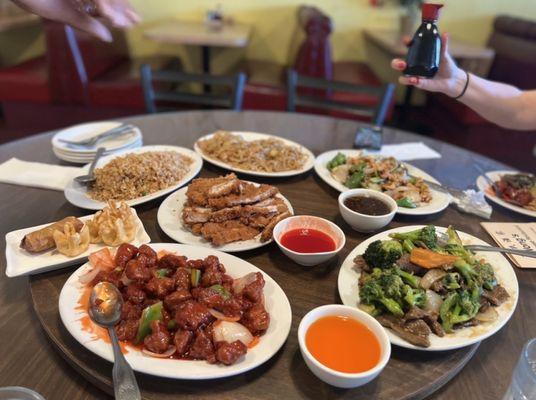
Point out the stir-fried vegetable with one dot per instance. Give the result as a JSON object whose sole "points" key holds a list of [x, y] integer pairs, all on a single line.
{"points": [[405, 202], [356, 176], [430, 259], [441, 277], [339, 159], [387, 289], [383, 253], [149, 314], [425, 237], [163, 272], [221, 291], [195, 277]]}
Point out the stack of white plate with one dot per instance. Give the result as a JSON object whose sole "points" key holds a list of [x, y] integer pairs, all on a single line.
{"points": [[83, 155]]}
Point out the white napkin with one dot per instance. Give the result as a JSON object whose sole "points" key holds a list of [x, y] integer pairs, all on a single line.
{"points": [[406, 151], [39, 175]]}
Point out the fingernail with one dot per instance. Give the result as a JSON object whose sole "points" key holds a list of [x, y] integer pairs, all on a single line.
{"points": [[400, 64], [413, 80]]}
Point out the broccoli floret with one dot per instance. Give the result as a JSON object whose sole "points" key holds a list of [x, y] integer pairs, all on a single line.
{"points": [[455, 247], [392, 285], [382, 254], [467, 271], [414, 297], [487, 275], [451, 281], [460, 307], [421, 237], [372, 293]]}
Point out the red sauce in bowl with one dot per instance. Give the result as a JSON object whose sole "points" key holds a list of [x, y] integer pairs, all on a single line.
{"points": [[308, 241]]}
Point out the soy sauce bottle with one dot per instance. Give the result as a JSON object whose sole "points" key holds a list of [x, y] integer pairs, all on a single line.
{"points": [[424, 53]]}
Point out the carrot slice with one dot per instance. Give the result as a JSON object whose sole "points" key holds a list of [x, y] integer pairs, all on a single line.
{"points": [[430, 259], [103, 259]]}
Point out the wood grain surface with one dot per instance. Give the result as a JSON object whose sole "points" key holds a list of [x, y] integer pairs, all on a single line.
{"points": [[28, 358]]}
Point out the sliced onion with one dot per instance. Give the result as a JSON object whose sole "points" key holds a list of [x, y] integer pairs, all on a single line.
{"points": [[489, 315], [230, 332], [431, 276], [433, 301], [168, 353], [89, 276], [125, 280], [222, 317], [240, 283]]}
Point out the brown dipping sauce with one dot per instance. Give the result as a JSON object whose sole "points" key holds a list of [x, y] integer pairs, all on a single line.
{"points": [[367, 205]]}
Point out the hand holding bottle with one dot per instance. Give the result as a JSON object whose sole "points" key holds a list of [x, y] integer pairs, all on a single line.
{"points": [[449, 79]]}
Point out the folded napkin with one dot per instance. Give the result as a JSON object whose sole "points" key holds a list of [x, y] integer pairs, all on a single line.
{"points": [[39, 175], [406, 151]]}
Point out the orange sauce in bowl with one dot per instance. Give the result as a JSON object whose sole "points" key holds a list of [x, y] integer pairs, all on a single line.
{"points": [[343, 344]]}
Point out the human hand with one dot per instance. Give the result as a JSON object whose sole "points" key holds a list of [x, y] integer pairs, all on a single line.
{"points": [[449, 79], [90, 16]]}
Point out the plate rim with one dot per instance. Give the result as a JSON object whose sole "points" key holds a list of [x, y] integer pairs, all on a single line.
{"points": [[74, 331], [97, 205], [482, 184], [56, 144], [171, 197], [398, 341], [318, 166], [308, 166]]}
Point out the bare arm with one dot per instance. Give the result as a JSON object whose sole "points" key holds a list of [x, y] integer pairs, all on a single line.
{"points": [[502, 104], [82, 14]]}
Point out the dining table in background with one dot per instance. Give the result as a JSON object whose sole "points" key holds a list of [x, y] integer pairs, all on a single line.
{"points": [[37, 352], [200, 33]]}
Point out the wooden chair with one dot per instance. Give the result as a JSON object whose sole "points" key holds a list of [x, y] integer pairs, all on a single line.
{"points": [[165, 87], [327, 96]]}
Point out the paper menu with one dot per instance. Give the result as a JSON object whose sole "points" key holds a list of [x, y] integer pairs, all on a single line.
{"points": [[514, 236]]}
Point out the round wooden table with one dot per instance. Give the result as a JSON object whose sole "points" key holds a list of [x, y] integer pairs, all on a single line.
{"points": [[28, 352]]}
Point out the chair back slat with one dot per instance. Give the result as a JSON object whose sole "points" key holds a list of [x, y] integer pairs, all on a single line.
{"points": [[162, 86], [194, 98], [305, 91], [326, 103]]}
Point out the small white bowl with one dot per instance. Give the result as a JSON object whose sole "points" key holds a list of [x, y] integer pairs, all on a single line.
{"points": [[309, 222], [363, 222], [331, 376]]}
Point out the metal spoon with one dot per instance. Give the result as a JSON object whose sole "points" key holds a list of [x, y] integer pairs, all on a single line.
{"points": [[105, 304], [90, 178]]}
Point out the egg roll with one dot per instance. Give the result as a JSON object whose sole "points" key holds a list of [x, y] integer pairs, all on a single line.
{"points": [[43, 239]]}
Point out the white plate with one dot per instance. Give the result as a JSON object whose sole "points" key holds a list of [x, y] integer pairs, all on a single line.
{"points": [[20, 262], [77, 194], [87, 159], [495, 176], [169, 219], [277, 305], [349, 292], [89, 130], [250, 136], [440, 200]]}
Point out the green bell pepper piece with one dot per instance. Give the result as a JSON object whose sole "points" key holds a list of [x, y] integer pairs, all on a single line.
{"points": [[221, 291], [149, 314], [195, 276], [339, 159], [162, 273], [406, 203]]}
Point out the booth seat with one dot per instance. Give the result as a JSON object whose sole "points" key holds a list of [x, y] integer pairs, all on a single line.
{"points": [[79, 76], [27, 81]]}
